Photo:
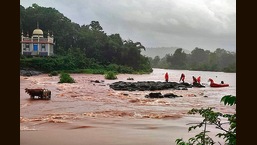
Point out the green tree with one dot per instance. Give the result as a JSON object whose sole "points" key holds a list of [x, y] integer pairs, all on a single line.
{"points": [[52, 21], [130, 54], [225, 58], [97, 40], [178, 60], [95, 26], [89, 40], [198, 58], [22, 17], [213, 62], [113, 50], [155, 61]]}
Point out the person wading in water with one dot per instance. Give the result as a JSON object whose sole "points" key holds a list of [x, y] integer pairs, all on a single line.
{"points": [[182, 77], [166, 77]]}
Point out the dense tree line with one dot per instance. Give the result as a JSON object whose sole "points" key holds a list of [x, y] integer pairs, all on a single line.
{"points": [[89, 47], [198, 59], [80, 47]]}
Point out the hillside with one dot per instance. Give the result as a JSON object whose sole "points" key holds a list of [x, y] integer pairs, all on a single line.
{"points": [[160, 51]]}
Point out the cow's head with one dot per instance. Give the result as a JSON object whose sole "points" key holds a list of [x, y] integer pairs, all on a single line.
{"points": [[26, 90]]}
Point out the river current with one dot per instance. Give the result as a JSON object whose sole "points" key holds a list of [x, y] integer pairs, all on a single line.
{"points": [[89, 105]]}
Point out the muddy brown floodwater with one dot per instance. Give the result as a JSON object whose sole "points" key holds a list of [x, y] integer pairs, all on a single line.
{"points": [[92, 113]]}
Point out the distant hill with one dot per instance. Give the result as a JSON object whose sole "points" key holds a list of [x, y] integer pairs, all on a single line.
{"points": [[161, 51]]}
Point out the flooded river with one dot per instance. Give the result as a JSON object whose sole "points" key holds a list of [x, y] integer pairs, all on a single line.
{"points": [[87, 112]]}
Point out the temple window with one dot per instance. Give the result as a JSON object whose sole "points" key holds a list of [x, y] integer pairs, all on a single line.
{"points": [[43, 47], [27, 47]]}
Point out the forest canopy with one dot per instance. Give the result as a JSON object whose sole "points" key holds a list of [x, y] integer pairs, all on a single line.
{"points": [[80, 47], [198, 59], [89, 47]]}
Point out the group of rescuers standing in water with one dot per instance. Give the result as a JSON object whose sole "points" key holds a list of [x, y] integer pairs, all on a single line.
{"points": [[182, 78]]}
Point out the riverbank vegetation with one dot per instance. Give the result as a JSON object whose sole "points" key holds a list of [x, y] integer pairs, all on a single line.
{"points": [[80, 49], [88, 49], [198, 59]]}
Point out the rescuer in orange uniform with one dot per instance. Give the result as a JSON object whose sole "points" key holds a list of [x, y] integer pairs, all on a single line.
{"points": [[166, 77]]}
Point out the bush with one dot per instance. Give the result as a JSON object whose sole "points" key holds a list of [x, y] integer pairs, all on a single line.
{"points": [[112, 67], [66, 78], [71, 63], [110, 75]]}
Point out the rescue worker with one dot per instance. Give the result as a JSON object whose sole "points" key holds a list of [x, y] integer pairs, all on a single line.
{"points": [[194, 79], [199, 80], [166, 77], [182, 77]]}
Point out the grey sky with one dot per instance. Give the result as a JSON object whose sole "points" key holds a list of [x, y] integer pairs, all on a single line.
{"points": [[208, 24]]}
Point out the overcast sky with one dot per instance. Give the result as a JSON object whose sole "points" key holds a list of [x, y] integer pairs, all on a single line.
{"points": [[207, 24]]}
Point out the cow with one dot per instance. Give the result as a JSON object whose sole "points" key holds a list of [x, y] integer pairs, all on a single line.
{"points": [[40, 93]]}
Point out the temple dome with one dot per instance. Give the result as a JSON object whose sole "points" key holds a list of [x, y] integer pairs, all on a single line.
{"points": [[37, 32]]}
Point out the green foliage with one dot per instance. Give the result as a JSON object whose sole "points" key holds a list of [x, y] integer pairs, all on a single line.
{"points": [[49, 64], [112, 67], [110, 75], [66, 78], [120, 68], [213, 118], [125, 69], [97, 71], [178, 61], [229, 100], [80, 47], [200, 139], [199, 59], [155, 62], [230, 68], [86, 71]]}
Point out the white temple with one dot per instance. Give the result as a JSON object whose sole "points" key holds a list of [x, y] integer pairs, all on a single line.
{"points": [[37, 45]]}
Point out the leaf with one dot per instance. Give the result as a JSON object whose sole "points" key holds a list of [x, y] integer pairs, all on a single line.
{"points": [[178, 140], [228, 99]]}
